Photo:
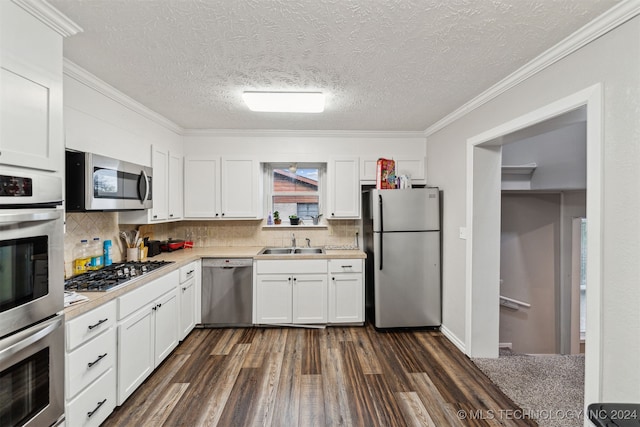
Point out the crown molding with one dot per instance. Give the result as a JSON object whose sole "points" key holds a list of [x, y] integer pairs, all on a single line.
{"points": [[606, 22], [51, 16], [83, 76], [301, 133]]}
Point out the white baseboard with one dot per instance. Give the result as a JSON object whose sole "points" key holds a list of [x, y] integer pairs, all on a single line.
{"points": [[508, 345], [453, 338]]}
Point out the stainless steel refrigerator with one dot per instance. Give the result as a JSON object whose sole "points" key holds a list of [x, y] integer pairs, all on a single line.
{"points": [[402, 241]]}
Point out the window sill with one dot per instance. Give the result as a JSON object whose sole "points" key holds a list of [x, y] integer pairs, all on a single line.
{"points": [[270, 227]]}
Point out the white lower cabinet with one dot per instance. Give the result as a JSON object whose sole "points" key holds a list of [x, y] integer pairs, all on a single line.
{"points": [[93, 406], [291, 291], [309, 298], [274, 298], [90, 366], [346, 291], [147, 331], [187, 292]]}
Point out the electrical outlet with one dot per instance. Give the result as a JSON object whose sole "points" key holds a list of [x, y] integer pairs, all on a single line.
{"points": [[463, 233]]}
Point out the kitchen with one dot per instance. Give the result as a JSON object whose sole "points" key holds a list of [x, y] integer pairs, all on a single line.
{"points": [[100, 119]]}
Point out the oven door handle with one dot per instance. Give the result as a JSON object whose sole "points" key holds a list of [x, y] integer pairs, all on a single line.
{"points": [[19, 218], [23, 339]]}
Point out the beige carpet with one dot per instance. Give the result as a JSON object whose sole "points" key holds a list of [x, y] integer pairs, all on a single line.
{"points": [[548, 388]]}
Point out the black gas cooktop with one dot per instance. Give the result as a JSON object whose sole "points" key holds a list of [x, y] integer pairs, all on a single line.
{"points": [[111, 277]]}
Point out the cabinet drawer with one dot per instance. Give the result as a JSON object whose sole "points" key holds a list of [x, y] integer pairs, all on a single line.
{"points": [[187, 272], [94, 404], [86, 363], [345, 265], [89, 325], [138, 298], [302, 266]]}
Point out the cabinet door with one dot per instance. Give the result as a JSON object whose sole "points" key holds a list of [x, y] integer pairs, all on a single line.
{"points": [[201, 194], [166, 325], [310, 298], [346, 298], [274, 298], [160, 162], [239, 190], [344, 188], [175, 186], [135, 351], [187, 307], [31, 130]]}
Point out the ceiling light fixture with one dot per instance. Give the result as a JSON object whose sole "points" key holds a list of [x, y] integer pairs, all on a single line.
{"points": [[285, 102]]}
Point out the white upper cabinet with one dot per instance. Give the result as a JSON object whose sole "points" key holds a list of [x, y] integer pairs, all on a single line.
{"points": [[31, 126], [228, 188], [166, 190], [405, 165], [176, 179], [160, 164], [343, 193], [239, 188], [201, 187]]}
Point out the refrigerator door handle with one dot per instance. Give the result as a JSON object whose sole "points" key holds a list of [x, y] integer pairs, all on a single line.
{"points": [[381, 228]]}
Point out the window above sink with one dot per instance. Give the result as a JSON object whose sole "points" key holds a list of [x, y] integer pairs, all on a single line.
{"points": [[295, 189]]}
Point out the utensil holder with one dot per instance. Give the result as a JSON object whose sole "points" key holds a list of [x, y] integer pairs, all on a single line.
{"points": [[133, 254]]}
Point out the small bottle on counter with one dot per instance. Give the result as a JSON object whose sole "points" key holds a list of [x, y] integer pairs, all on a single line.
{"points": [[269, 219], [96, 255], [81, 257], [107, 253]]}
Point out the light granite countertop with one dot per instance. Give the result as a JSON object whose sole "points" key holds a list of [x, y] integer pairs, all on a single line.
{"points": [[183, 257]]}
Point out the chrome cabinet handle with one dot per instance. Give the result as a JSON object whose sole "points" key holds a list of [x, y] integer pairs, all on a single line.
{"points": [[100, 322], [102, 356], [89, 414]]}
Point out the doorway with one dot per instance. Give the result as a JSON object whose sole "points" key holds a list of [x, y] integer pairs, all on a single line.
{"points": [[484, 161]]}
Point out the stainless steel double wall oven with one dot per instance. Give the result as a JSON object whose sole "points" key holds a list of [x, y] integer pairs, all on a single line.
{"points": [[31, 298]]}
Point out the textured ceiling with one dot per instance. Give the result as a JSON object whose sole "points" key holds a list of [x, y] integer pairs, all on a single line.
{"points": [[384, 65]]}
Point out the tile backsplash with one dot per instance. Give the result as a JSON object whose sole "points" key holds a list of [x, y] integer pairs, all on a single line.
{"points": [[203, 233], [88, 225]]}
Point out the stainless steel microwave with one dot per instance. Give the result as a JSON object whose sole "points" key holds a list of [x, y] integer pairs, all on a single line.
{"points": [[99, 183]]}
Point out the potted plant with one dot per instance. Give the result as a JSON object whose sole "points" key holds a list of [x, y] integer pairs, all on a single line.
{"points": [[276, 218], [294, 220]]}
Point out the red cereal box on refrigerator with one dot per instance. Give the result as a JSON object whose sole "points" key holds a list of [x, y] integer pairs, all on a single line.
{"points": [[385, 174]]}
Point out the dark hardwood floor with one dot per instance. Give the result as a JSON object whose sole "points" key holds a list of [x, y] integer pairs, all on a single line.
{"points": [[338, 376]]}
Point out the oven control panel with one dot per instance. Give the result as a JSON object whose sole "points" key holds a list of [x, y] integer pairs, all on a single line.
{"points": [[15, 186]]}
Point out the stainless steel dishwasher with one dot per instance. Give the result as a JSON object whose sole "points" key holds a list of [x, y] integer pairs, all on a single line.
{"points": [[227, 292]]}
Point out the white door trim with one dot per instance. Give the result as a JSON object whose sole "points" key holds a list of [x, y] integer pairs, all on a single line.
{"points": [[484, 158]]}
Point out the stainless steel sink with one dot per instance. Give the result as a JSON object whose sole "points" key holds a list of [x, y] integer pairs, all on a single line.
{"points": [[308, 251], [291, 251], [275, 251]]}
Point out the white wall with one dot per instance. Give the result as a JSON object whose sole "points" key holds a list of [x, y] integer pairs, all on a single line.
{"points": [[285, 146], [614, 61], [560, 155], [99, 124]]}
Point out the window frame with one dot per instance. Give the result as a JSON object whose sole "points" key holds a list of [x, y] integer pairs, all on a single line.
{"points": [[270, 193]]}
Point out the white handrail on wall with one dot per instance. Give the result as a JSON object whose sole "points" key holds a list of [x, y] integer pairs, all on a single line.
{"points": [[513, 303]]}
